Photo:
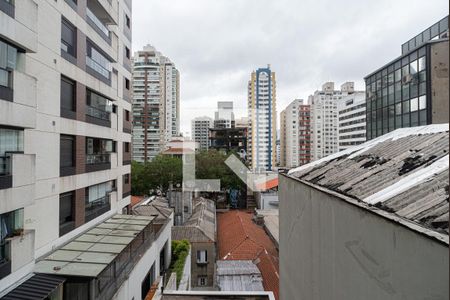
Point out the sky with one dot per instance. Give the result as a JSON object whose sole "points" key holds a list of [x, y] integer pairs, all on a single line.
{"points": [[216, 44]]}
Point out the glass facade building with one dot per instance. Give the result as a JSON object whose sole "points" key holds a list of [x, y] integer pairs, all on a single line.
{"points": [[399, 94]]}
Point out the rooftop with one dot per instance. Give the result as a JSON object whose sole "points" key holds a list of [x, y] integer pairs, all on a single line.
{"points": [[239, 238], [153, 206], [271, 223], [201, 225], [238, 275], [403, 174], [204, 295], [92, 252]]}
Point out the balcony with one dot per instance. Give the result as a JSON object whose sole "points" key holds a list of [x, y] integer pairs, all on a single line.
{"points": [[19, 23], [97, 116], [16, 181], [21, 111], [97, 208], [98, 26], [98, 162], [16, 251]]}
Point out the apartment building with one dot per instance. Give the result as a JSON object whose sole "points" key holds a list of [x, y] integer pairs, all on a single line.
{"points": [[324, 117], [200, 131], [224, 116], [352, 120], [304, 120], [262, 117], [412, 90], [290, 133], [156, 103], [65, 130]]}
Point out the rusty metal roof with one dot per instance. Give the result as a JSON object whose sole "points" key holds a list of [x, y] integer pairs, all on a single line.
{"points": [[404, 173]]}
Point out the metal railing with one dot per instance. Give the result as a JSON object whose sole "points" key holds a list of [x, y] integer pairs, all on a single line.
{"points": [[92, 159], [97, 67], [97, 22], [5, 165], [98, 113]]}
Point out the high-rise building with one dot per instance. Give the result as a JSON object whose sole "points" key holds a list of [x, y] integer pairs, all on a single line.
{"points": [[412, 89], [352, 120], [324, 117], [304, 120], [224, 116], [156, 103], [241, 122], [290, 135], [262, 120], [65, 133], [200, 131]]}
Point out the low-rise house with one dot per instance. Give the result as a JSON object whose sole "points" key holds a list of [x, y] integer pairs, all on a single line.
{"points": [[240, 238], [200, 231], [369, 222]]}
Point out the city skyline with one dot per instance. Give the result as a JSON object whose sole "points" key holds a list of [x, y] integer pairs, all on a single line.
{"points": [[219, 73]]}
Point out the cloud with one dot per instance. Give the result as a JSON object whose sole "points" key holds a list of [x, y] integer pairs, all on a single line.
{"points": [[217, 43]]}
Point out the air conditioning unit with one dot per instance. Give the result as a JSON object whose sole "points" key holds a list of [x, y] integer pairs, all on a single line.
{"points": [[406, 78]]}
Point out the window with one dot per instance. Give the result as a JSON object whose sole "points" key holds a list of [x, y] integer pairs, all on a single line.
{"points": [[10, 224], [202, 256], [98, 150], [202, 280], [422, 102], [68, 38], [67, 94], [67, 151], [127, 21], [97, 61], [126, 178], [127, 52], [8, 58], [97, 200], [127, 83], [11, 140], [127, 147], [127, 115], [66, 204], [98, 106]]}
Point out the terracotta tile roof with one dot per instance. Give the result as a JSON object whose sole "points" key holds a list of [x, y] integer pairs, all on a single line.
{"points": [[239, 238], [135, 200], [267, 185]]}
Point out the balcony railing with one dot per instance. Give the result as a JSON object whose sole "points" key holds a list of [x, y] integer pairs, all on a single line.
{"points": [[97, 207], [5, 164], [92, 159], [97, 22], [97, 68], [98, 113]]}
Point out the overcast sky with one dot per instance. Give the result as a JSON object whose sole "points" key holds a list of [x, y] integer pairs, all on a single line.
{"points": [[216, 44]]}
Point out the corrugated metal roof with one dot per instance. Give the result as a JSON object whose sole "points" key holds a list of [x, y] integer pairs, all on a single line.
{"points": [[238, 275], [38, 287], [404, 172]]}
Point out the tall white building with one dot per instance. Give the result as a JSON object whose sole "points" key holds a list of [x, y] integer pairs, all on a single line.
{"points": [[325, 117], [290, 135], [200, 131], [352, 120], [65, 133], [224, 116], [262, 135], [156, 103]]}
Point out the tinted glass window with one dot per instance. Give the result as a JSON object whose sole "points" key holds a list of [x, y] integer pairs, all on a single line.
{"points": [[68, 38], [67, 94]]}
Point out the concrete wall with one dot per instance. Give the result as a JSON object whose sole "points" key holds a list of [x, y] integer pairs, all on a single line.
{"points": [[439, 82], [331, 249]]}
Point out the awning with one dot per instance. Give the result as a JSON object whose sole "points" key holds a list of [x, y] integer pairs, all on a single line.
{"points": [[38, 287]]}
